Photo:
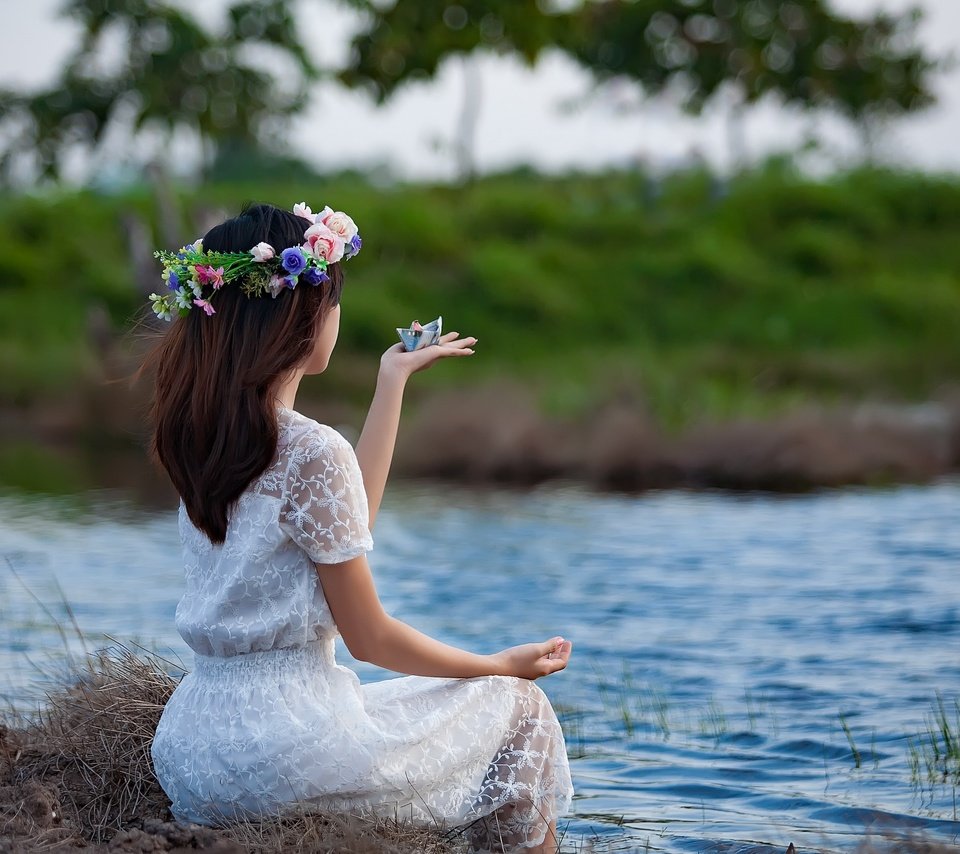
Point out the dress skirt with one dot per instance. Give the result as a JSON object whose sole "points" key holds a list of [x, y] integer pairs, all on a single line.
{"points": [[245, 736]]}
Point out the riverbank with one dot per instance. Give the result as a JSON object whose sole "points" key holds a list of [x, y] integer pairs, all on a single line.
{"points": [[496, 434]]}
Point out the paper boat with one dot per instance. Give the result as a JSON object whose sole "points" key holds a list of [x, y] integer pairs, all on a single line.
{"points": [[417, 336]]}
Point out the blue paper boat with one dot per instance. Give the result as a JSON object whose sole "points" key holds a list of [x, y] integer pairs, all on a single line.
{"points": [[415, 339]]}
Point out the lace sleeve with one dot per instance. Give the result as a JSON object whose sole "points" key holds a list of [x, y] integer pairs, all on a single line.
{"points": [[325, 505]]}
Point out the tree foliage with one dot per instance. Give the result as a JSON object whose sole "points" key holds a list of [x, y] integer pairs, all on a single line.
{"points": [[168, 72], [804, 52], [149, 65], [408, 41]]}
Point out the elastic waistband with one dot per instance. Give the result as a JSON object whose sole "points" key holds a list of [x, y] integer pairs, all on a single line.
{"points": [[319, 654]]}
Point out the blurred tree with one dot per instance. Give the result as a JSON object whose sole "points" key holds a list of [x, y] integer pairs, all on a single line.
{"points": [[803, 52], [800, 50], [405, 42], [146, 65]]}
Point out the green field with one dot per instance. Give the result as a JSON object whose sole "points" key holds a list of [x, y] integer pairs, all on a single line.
{"points": [[695, 298]]}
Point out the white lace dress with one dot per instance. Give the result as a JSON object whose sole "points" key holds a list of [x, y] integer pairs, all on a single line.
{"points": [[267, 718]]}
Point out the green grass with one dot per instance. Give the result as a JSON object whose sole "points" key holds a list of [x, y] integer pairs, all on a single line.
{"points": [[784, 290], [854, 752], [934, 753]]}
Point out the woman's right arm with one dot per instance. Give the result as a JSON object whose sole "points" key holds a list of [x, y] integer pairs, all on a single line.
{"points": [[379, 435], [373, 635]]}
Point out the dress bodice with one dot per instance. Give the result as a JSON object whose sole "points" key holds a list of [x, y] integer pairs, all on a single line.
{"points": [[259, 589]]}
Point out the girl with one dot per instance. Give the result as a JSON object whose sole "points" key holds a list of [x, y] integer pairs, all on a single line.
{"points": [[275, 518]]}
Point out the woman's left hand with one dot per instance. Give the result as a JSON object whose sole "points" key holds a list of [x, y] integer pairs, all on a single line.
{"points": [[398, 362], [533, 660]]}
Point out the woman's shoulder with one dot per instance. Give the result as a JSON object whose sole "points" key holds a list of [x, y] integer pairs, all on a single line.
{"points": [[299, 432]]}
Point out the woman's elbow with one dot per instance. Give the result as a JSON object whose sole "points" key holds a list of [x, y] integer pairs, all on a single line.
{"points": [[364, 643], [360, 651]]}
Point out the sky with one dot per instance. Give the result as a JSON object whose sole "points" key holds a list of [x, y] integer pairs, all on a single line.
{"points": [[526, 115]]}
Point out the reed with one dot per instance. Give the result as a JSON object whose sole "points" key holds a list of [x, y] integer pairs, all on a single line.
{"points": [[857, 758], [635, 707], [713, 721], [571, 720], [933, 753]]}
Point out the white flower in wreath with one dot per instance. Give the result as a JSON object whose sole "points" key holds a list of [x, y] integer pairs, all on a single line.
{"points": [[339, 223], [183, 297], [263, 252]]}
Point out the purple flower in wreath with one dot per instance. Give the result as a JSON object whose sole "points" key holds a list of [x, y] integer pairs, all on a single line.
{"points": [[313, 276], [293, 260], [291, 281], [173, 281], [353, 247]]}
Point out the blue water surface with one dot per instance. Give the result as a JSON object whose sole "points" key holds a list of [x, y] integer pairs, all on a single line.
{"points": [[748, 670]]}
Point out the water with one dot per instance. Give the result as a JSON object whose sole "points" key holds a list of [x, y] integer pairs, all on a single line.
{"points": [[721, 643]]}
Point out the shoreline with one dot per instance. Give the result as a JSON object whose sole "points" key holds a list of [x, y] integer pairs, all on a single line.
{"points": [[620, 448], [496, 435]]}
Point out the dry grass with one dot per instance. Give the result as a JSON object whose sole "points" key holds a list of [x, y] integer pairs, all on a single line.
{"points": [[78, 774], [81, 765], [355, 834]]}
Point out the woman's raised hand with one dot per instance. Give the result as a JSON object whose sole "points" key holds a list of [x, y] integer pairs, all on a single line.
{"points": [[379, 435], [399, 361], [533, 660]]}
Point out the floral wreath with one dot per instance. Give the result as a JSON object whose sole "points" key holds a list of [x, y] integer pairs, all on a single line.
{"points": [[331, 237]]}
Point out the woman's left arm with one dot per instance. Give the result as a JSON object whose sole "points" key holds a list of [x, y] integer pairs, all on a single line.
{"points": [[379, 435]]}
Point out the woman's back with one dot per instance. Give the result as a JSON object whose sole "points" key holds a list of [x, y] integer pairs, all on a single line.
{"points": [[259, 590]]}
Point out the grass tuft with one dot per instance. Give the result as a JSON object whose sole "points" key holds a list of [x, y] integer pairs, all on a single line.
{"points": [[934, 753]]}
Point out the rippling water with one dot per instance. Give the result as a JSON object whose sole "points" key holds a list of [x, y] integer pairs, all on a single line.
{"points": [[723, 644]]}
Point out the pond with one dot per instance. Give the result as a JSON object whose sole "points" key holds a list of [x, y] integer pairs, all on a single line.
{"points": [[748, 670]]}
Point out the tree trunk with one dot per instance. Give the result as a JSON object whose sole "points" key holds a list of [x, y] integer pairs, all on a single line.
{"points": [[469, 114], [736, 136], [869, 128], [168, 218]]}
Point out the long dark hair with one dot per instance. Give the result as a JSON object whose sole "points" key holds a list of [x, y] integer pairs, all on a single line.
{"points": [[214, 412]]}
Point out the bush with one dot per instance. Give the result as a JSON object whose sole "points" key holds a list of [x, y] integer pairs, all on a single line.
{"points": [[564, 277]]}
